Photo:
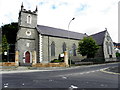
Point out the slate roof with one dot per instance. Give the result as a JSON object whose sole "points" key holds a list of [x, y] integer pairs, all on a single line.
{"points": [[50, 31], [99, 37]]}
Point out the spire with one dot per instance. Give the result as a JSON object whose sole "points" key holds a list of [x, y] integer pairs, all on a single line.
{"points": [[36, 10], [106, 29], [22, 6]]}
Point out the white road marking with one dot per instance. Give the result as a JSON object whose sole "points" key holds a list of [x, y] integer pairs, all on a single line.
{"points": [[50, 80], [97, 70], [72, 86], [102, 85], [23, 84], [87, 72], [64, 77], [5, 86], [81, 73], [92, 71]]}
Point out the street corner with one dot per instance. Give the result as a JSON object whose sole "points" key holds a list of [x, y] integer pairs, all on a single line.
{"points": [[111, 70]]}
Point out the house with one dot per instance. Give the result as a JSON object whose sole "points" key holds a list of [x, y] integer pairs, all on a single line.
{"points": [[117, 47], [41, 44]]}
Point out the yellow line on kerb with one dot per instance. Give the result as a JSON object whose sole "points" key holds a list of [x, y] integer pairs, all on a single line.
{"points": [[103, 70]]}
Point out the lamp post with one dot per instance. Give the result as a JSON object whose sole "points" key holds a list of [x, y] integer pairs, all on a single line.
{"points": [[69, 51], [70, 22]]}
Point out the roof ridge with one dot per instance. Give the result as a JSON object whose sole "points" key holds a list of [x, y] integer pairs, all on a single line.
{"points": [[98, 32], [51, 31], [61, 29]]}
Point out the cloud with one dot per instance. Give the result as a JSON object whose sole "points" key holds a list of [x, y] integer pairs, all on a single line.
{"points": [[41, 3], [91, 15], [81, 8], [54, 7], [63, 3]]}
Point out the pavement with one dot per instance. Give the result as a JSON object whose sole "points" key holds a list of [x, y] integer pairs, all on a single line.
{"points": [[111, 70], [13, 69]]}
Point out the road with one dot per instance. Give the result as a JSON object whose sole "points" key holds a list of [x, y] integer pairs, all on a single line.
{"points": [[78, 77]]}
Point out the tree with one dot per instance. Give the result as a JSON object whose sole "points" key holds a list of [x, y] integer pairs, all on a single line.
{"points": [[117, 54], [5, 45], [10, 31], [87, 47]]}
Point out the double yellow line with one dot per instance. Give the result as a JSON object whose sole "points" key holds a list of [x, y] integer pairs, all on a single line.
{"points": [[104, 70]]}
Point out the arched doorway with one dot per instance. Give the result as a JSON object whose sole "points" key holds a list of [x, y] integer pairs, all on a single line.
{"points": [[27, 57], [74, 50]]}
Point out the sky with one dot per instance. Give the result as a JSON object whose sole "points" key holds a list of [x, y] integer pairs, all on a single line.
{"points": [[91, 16]]}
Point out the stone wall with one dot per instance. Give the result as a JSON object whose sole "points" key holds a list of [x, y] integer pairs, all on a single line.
{"points": [[46, 47], [100, 53], [50, 65], [7, 64]]}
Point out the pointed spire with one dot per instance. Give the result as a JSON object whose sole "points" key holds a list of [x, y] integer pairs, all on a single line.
{"points": [[22, 6], [36, 10], [106, 29]]}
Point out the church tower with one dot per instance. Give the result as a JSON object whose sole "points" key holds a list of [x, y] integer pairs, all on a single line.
{"points": [[27, 37]]}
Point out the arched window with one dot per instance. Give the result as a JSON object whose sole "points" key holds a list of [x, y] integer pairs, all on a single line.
{"points": [[64, 47], [29, 19], [107, 45], [111, 50], [52, 49], [74, 50]]}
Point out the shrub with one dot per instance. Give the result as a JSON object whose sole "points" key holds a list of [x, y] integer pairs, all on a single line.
{"points": [[94, 60], [117, 54], [72, 62], [56, 61]]}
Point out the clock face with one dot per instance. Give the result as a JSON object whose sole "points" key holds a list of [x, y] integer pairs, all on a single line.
{"points": [[28, 33]]}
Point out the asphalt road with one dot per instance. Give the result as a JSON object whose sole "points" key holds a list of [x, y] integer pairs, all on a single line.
{"points": [[78, 77]]}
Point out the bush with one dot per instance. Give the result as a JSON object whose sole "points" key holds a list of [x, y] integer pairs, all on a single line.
{"points": [[56, 61], [94, 60], [117, 54], [72, 62]]}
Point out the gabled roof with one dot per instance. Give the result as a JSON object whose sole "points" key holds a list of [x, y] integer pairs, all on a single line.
{"points": [[99, 37], [50, 31]]}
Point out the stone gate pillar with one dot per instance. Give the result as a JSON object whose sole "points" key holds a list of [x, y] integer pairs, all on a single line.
{"points": [[17, 58], [34, 58], [66, 58]]}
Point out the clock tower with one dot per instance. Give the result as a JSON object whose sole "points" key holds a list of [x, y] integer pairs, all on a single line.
{"points": [[27, 37]]}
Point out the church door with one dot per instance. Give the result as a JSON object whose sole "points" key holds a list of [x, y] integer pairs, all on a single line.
{"points": [[27, 57]]}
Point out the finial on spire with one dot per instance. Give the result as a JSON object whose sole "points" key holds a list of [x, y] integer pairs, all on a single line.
{"points": [[36, 10], [105, 28], [22, 6]]}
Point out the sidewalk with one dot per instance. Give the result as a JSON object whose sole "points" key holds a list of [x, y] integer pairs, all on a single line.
{"points": [[12, 69], [21, 69]]}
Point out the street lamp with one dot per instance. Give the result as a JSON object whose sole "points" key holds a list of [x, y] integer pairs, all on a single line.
{"points": [[69, 51], [70, 22]]}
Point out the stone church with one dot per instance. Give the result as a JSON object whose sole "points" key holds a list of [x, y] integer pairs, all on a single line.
{"points": [[41, 44]]}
